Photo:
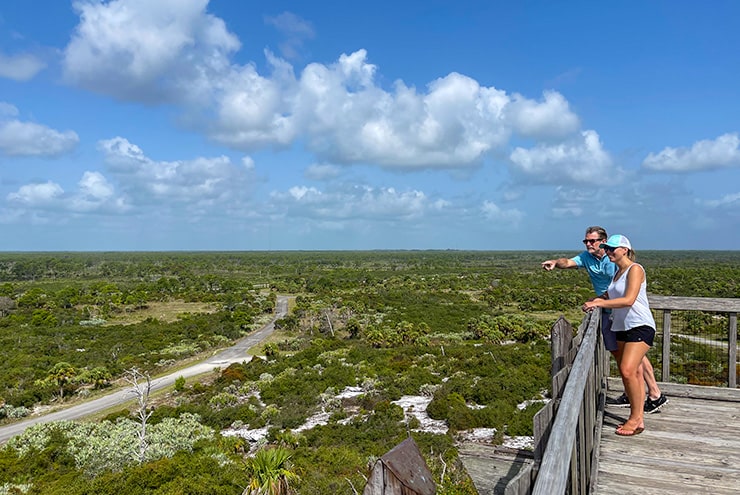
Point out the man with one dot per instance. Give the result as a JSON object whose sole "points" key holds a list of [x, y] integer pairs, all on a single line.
{"points": [[601, 271]]}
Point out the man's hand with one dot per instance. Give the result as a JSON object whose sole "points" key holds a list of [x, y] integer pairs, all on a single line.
{"points": [[549, 265]]}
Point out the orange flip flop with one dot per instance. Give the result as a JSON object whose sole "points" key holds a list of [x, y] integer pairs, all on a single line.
{"points": [[623, 432]]}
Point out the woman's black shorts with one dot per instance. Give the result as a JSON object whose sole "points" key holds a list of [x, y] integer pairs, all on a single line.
{"points": [[643, 333]]}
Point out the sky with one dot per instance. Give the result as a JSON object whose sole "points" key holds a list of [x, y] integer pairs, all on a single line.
{"points": [[158, 125]]}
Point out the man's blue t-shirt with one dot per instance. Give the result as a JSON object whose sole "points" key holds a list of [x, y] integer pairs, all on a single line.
{"points": [[601, 271]]}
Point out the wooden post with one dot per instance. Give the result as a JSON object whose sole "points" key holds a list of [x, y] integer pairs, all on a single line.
{"points": [[401, 471], [561, 337], [666, 365], [732, 351]]}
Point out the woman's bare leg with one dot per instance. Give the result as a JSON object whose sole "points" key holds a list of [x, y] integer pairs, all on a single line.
{"points": [[629, 360]]}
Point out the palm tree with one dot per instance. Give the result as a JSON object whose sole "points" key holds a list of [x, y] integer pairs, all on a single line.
{"points": [[270, 474], [60, 375]]}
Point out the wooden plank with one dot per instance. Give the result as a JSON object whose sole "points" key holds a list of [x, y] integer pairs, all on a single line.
{"points": [[559, 381], [641, 482], [651, 476], [542, 423], [681, 390], [521, 484], [717, 304], [492, 470], [581, 473], [594, 478], [690, 446], [561, 337]]}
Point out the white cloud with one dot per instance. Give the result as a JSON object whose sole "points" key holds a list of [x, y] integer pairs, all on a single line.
{"points": [[549, 119], [612, 204], [95, 193], [252, 111], [192, 187], [357, 202], [19, 138], [494, 213], [8, 110], [37, 195], [290, 24], [185, 188], [723, 152], [727, 201], [22, 67], [570, 201], [173, 50], [248, 163], [94, 185], [295, 29], [147, 51], [579, 161], [345, 117], [322, 171], [199, 181], [46, 200]]}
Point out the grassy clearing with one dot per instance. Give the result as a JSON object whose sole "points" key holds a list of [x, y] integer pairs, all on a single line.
{"points": [[164, 311]]}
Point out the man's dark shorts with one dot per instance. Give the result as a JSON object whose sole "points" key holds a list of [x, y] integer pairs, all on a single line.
{"points": [[610, 338], [643, 333]]}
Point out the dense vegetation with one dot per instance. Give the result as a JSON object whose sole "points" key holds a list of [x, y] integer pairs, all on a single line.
{"points": [[466, 329]]}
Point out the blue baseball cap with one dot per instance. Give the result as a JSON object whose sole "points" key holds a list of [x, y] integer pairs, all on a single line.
{"points": [[616, 241]]}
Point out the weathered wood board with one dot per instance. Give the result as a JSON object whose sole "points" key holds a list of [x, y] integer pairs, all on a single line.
{"points": [[690, 446], [489, 467]]}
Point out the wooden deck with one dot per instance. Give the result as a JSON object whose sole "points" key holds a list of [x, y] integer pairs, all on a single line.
{"points": [[492, 467], [692, 445]]}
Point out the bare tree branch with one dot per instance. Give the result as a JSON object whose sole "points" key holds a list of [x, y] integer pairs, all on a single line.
{"points": [[141, 389]]}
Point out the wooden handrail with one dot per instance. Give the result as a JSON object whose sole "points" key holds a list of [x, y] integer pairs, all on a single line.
{"points": [[715, 304], [729, 306], [552, 476], [567, 446]]}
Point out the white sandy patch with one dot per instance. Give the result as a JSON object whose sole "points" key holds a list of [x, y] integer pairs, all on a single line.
{"points": [[481, 435], [413, 406], [350, 392], [526, 443], [527, 403], [251, 436], [416, 406]]}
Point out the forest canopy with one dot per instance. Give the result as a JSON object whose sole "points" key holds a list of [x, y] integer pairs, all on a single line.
{"points": [[467, 330]]}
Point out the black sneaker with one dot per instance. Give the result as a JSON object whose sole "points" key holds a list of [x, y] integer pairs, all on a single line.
{"points": [[621, 401], [652, 406]]}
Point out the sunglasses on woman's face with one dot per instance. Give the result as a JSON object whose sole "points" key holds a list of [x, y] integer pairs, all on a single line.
{"points": [[609, 249]]}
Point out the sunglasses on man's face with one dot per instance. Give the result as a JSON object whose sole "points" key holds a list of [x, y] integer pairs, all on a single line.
{"points": [[591, 241]]}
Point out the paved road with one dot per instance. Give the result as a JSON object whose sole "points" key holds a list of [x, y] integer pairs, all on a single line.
{"points": [[235, 354], [704, 340]]}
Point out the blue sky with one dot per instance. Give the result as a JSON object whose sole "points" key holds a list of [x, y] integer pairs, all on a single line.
{"points": [[286, 125]]}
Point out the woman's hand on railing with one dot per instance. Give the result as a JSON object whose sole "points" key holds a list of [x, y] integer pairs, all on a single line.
{"points": [[589, 305]]}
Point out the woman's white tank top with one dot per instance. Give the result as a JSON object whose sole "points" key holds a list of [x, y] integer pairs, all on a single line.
{"points": [[631, 316]]}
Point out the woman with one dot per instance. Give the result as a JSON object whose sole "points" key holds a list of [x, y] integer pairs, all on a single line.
{"points": [[633, 323]]}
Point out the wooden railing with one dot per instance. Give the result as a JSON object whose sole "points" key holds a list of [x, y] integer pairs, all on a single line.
{"points": [[567, 430], [728, 306]]}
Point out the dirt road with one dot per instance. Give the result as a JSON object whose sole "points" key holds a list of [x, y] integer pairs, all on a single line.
{"points": [[234, 354]]}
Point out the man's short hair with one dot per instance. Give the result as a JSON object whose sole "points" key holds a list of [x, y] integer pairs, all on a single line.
{"points": [[599, 230]]}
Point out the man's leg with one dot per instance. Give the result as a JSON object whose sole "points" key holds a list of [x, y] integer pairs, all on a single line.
{"points": [[649, 374], [655, 399], [610, 344]]}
